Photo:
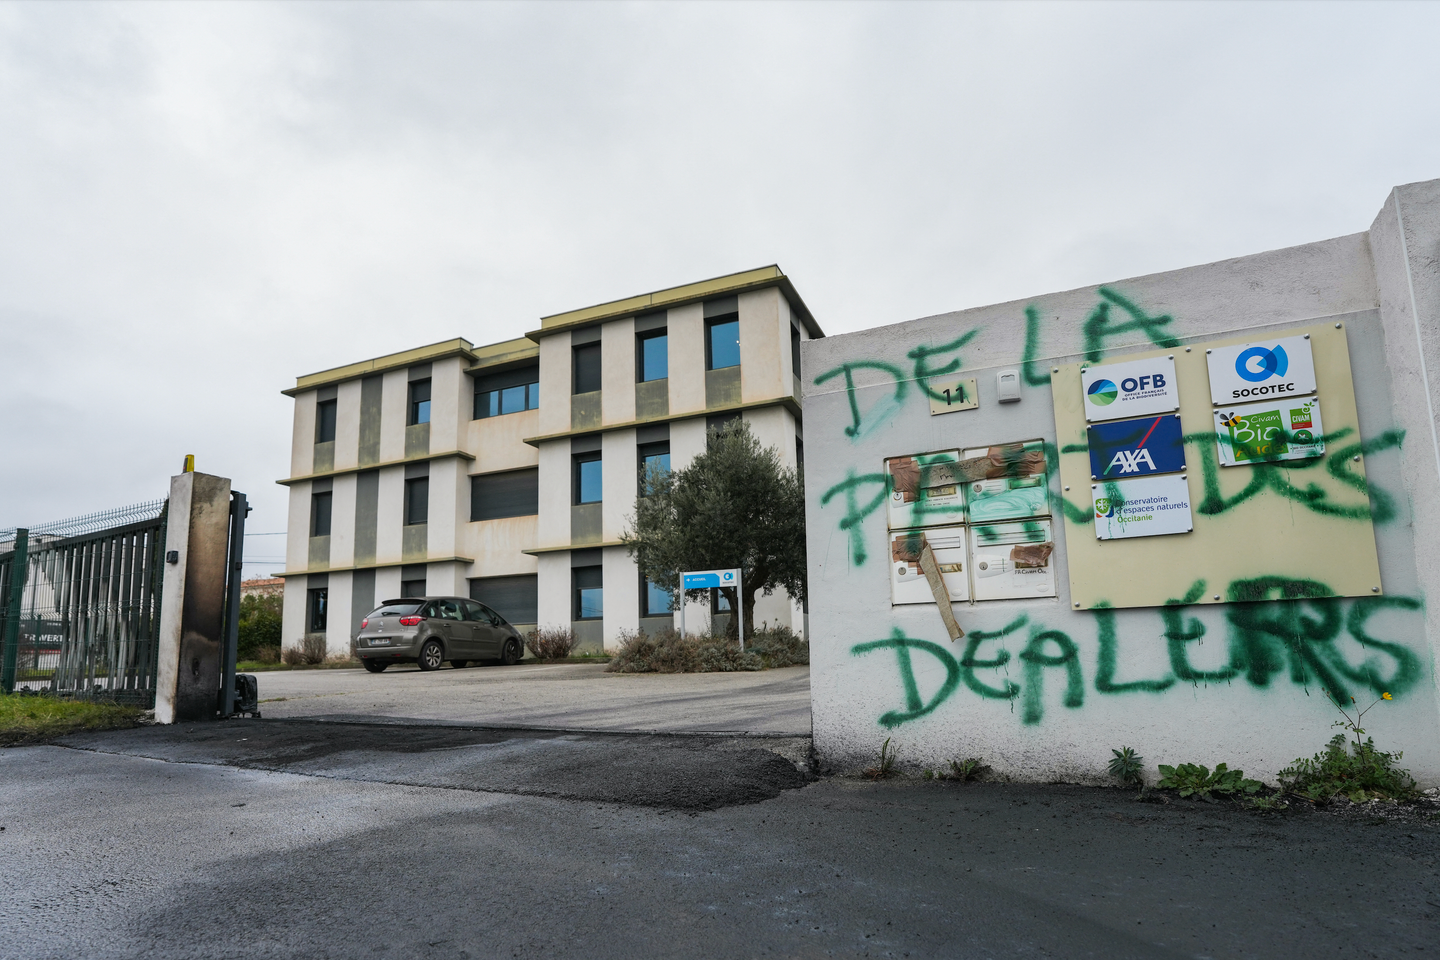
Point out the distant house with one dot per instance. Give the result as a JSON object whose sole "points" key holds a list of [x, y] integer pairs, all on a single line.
{"points": [[273, 587]]}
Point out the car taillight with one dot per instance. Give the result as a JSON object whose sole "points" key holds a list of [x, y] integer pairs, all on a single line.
{"points": [[364, 623], [410, 621]]}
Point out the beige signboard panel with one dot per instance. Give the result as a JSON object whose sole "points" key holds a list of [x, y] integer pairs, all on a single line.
{"points": [[1250, 521]]}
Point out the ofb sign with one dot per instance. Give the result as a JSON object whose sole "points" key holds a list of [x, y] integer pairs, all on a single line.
{"points": [[1267, 369], [1135, 388]]}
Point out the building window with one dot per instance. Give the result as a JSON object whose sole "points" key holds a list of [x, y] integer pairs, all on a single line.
{"points": [[497, 403], [498, 495], [589, 592], [795, 350], [719, 603], [587, 478], [419, 402], [318, 602], [652, 355], [412, 588], [320, 514], [654, 460], [722, 343], [517, 599], [654, 600], [325, 421], [717, 423], [417, 500], [587, 368]]}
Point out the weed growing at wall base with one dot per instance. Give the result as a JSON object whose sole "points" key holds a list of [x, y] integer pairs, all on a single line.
{"points": [[1195, 780]]}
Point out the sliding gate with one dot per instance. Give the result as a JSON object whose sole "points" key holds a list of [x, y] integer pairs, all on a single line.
{"points": [[88, 613]]}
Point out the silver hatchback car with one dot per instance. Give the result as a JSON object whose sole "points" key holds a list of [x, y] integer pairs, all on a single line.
{"points": [[430, 630]]}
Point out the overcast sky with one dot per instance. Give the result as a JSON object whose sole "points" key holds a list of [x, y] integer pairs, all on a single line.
{"points": [[199, 202]]}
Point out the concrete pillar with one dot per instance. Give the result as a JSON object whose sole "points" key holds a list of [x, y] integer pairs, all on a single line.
{"points": [[192, 606]]}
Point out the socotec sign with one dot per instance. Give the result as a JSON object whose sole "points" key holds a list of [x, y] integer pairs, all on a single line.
{"points": [[1134, 388], [1266, 370]]}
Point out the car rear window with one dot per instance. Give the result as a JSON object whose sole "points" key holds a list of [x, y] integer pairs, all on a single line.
{"points": [[397, 608]]}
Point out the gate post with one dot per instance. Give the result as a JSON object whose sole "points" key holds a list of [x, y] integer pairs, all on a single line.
{"points": [[192, 601], [11, 640]]}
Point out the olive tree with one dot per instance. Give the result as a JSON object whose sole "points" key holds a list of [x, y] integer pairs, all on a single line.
{"points": [[735, 505]]}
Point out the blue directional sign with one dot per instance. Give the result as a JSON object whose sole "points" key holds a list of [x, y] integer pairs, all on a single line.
{"points": [[1136, 448], [703, 579]]}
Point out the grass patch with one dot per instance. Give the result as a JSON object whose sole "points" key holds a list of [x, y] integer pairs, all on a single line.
{"points": [[34, 719]]}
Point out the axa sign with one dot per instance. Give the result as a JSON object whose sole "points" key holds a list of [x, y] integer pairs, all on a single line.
{"points": [[1260, 371], [1136, 448], [1129, 389]]}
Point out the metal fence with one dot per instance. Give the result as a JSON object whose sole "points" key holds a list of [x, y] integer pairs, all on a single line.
{"points": [[89, 604]]}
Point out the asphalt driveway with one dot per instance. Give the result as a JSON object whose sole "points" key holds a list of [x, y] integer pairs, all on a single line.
{"points": [[562, 696]]}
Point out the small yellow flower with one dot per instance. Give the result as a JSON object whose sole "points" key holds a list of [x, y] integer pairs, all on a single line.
{"points": [[1386, 696]]}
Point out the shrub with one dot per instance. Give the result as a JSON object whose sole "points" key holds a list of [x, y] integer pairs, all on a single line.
{"points": [[779, 646], [1193, 779], [309, 651], [668, 652], [1128, 767], [1355, 770], [260, 618], [551, 643]]}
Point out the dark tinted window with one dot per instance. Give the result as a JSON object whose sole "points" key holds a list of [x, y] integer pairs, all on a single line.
{"points": [[795, 349], [325, 421], [419, 402], [589, 592], [395, 608], [653, 356], [496, 495], [588, 486], [417, 500], [587, 368], [319, 602], [412, 588], [320, 505], [517, 599], [722, 343], [654, 601], [652, 456]]}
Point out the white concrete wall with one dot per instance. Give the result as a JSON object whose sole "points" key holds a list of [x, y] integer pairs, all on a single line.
{"points": [[761, 352], [555, 384], [390, 515], [452, 401], [622, 595], [342, 521], [617, 371], [337, 619], [553, 583], [496, 546], [292, 613], [554, 523], [302, 441], [449, 511], [685, 328], [394, 397], [387, 583], [687, 441], [619, 473], [499, 442], [297, 529], [447, 579], [347, 425], [859, 694]]}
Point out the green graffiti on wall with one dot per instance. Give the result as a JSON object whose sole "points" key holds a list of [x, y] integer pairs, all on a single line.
{"points": [[1276, 626]]}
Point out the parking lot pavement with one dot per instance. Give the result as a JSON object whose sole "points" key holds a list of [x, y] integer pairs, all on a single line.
{"points": [[564, 696], [108, 853]]}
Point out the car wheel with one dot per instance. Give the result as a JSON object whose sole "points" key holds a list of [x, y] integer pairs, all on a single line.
{"points": [[511, 656], [431, 655], [459, 664], [374, 667]]}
